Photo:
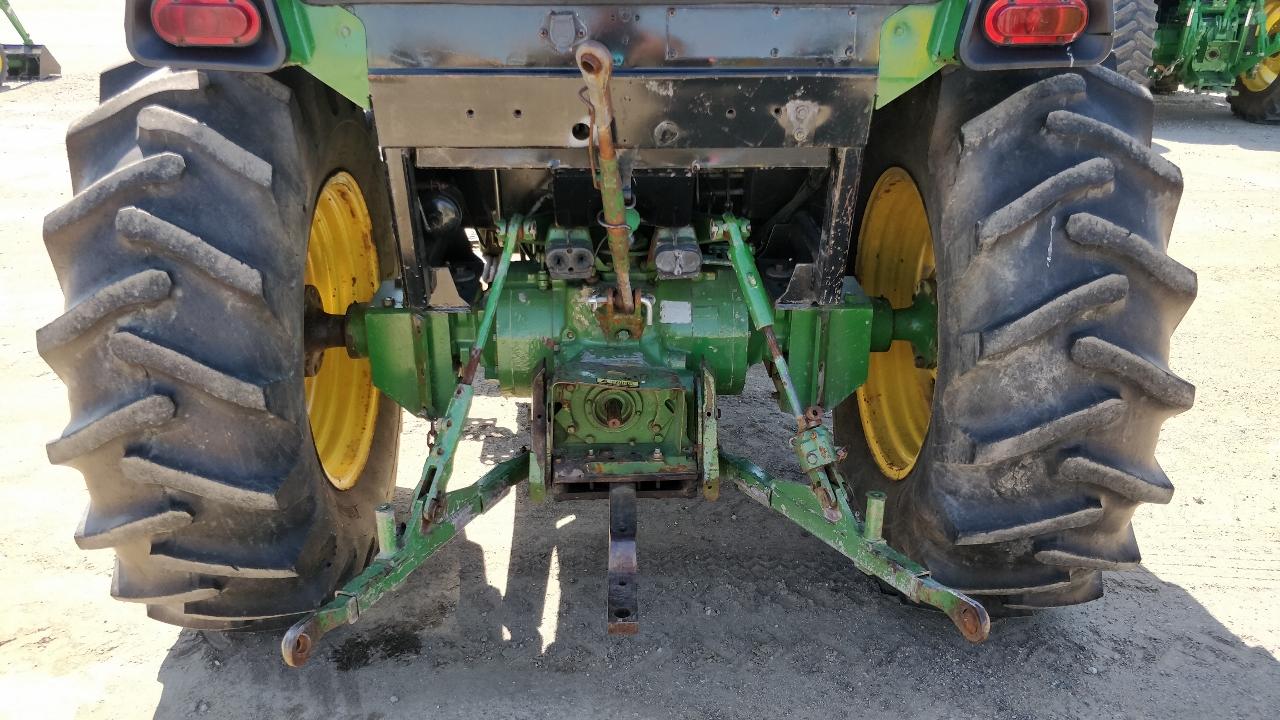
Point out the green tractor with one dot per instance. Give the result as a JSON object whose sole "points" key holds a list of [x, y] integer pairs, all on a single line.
{"points": [[1228, 46], [939, 226]]}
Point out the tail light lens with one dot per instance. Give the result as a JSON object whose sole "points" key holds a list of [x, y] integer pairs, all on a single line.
{"points": [[1035, 22], [207, 23]]}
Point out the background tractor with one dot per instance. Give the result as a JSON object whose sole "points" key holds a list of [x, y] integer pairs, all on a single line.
{"points": [[1228, 46], [939, 226]]}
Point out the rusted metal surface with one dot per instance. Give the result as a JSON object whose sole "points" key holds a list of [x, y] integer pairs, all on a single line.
{"points": [[596, 63], [709, 435], [624, 607], [321, 332], [838, 226], [609, 466], [613, 319], [539, 437]]}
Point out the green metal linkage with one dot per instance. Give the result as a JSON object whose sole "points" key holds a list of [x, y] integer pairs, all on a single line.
{"points": [[915, 42], [437, 514], [329, 43], [823, 507], [861, 543], [387, 574], [824, 478]]}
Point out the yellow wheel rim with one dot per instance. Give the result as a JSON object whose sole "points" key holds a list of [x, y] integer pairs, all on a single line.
{"points": [[1261, 77], [895, 256], [342, 264]]}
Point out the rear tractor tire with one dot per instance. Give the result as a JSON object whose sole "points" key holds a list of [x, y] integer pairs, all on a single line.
{"points": [[1257, 93], [235, 494], [1134, 39], [1035, 205]]}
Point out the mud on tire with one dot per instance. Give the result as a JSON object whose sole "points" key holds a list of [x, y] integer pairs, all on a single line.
{"points": [[181, 257], [1050, 216]]}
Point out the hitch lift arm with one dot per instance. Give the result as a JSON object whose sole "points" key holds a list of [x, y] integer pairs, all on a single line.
{"points": [[824, 509], [437, 515]]}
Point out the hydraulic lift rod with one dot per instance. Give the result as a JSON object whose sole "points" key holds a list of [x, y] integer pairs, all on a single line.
{"points": [[596, 63]]}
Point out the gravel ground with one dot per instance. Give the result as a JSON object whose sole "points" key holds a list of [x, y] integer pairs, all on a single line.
{"points": [[744, 615]]}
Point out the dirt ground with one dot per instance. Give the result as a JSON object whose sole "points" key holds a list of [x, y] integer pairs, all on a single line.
{"points": [[744, 615]]}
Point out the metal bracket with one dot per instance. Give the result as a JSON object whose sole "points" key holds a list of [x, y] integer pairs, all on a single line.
{"points": [[708, 435], [539, 437], [624, 606], [563, 30]]}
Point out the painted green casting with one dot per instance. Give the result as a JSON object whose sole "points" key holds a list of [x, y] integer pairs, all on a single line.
{"points": [[329, 43], [916, 42]]}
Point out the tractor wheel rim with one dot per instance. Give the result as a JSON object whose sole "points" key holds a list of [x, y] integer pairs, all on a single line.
{"points": [[1261, 77], [342, 264], [895, 256]]}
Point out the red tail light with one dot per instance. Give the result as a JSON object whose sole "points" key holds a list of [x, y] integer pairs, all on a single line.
{"points": [[1035, 22], [207, 23]]}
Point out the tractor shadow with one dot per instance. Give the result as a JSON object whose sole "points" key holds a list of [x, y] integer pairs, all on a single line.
{"points": [[1199, 119], [742, 615]]}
